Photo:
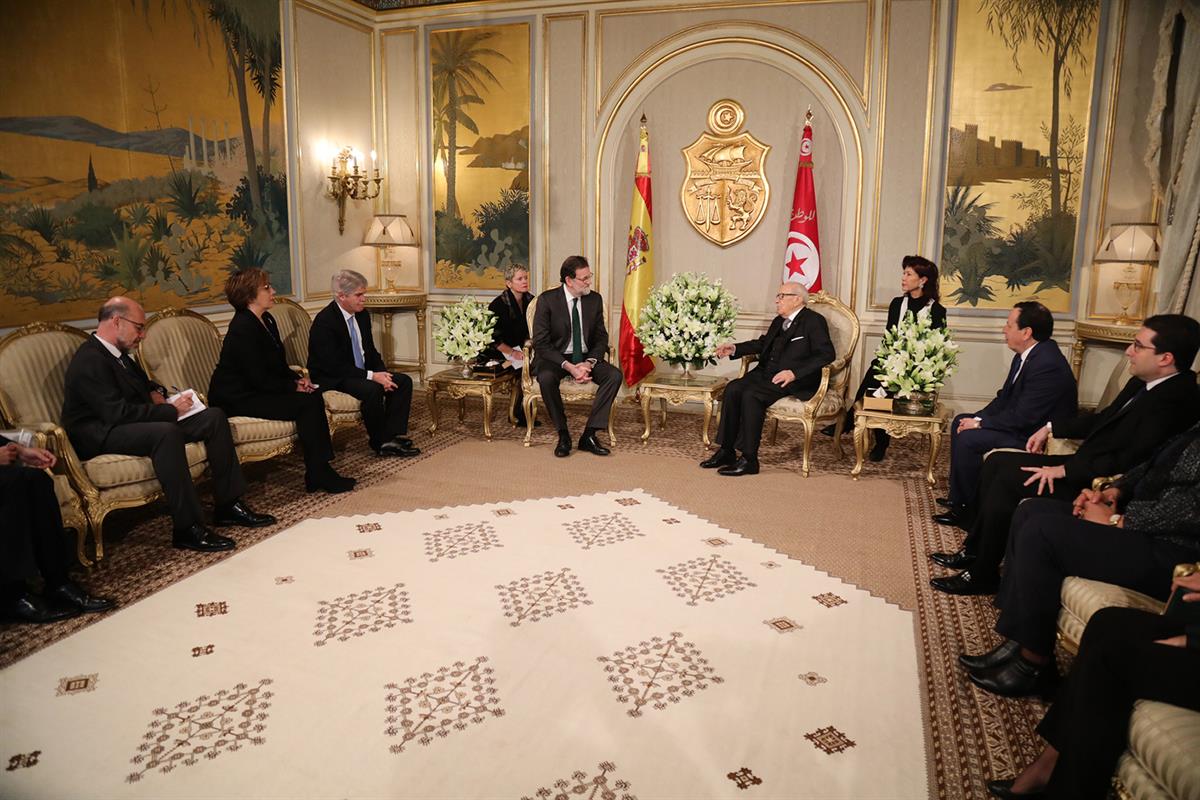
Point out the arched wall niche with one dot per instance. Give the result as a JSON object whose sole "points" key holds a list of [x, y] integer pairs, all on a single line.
{"points": [[775, 76]]}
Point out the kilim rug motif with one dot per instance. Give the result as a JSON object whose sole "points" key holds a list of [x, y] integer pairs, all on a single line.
{"points": [[584, 785], [432, 705], [540, 596], [707, 579], [458, 702], [658, 672], [461, 540], [603, 530], [203, 728], [360, 613]]}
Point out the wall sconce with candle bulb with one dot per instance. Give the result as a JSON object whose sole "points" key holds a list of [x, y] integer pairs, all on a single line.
{"points": [[348, 181]]}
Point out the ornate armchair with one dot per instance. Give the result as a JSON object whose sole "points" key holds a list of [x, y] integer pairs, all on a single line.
{"points": [[181, 349], [33, 366], [829, 403], [294, 324], [572, 392]]}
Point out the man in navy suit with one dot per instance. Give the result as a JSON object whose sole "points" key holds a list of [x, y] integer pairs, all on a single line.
{"points": [[342, 356], [790, 357], [570, 338], [1039, 387]]}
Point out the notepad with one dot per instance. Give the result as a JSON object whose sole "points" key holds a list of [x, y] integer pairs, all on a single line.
{"points": [[197, 404]]}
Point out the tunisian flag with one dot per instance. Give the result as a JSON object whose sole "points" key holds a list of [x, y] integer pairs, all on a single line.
{"points": [[639, 269], [802, 258]]}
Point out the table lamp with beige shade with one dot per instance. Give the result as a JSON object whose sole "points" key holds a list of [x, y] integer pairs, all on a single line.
{"points": [[389, 232], [1132, 244]]}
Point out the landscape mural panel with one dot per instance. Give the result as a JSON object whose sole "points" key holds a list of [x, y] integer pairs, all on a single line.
{"points": [[1019, 109], [128, 132], [479, 112]]}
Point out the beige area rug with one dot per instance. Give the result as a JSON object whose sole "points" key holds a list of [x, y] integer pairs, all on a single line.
{"points": [[521, 649]]}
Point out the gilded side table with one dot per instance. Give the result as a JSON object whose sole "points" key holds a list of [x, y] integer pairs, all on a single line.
{"points": [[387, 305], [899, 426], [452, 382], [676, 389], [1109, 334]]}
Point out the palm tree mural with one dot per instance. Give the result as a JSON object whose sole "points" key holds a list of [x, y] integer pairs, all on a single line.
{"points": [[459, 77]]}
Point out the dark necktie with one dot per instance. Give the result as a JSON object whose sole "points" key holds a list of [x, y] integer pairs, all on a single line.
{"points": [[787, 323], [1013, 370], [576, 333], [1139, 393]]}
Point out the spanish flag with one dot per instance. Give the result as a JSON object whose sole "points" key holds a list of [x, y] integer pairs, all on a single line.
{"points": [[639, 268]]}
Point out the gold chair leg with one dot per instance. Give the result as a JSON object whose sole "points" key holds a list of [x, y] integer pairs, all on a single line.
{"points": [[81, 534], [838, 428], [808, 434], [530, 404], [98, 534], [612, 437]]}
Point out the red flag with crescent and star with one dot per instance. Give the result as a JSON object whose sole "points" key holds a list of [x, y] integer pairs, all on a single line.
{"points": [[802, 257]]}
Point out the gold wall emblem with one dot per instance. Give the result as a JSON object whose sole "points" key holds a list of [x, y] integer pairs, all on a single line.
{"points": [[725, 191]]}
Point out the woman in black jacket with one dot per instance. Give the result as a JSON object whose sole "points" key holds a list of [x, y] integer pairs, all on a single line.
{"points": [[512, 329], [253, 379], [919, 282]]}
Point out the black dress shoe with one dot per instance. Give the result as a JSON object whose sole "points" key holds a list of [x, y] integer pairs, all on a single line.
{"points": [[563, 449], [992, 658], [1004, 789], [944, 502], [396, 450], [328, 481], [743, 466], [1018, 678], [957, 560], [30, 608], [202, 539], [953, 518], [237, 513], [403, 441], [964, 583], [589, 443], [721, 458], [829, 430], [71, 595]]}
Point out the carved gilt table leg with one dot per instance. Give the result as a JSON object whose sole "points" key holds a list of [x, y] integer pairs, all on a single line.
{"points": [[646, 413], [860, 441], [487, 413], [708, 412], [431, 396], [935, 444]]}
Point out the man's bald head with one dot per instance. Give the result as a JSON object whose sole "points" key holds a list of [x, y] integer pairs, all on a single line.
{"points": [[122, 323]]}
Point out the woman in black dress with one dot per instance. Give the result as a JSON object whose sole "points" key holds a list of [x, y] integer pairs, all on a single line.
{"points": [[512, 329], [253, 379], [919, 282]]}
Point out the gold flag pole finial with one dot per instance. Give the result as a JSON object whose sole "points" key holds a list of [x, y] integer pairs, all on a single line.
{"points": [[808, 115], [643, 119]]}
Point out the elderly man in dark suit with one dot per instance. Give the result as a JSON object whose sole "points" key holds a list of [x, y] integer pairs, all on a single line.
{"points": [[1158, 402], [570, 338], [1039, 387], [34, 543], [1131, 534], [112, 407], [342, 356], [790, 357]]}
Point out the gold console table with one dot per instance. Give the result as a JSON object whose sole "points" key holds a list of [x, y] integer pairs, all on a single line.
{"points": [[387, 305], [676, 389], [1101, 333]]}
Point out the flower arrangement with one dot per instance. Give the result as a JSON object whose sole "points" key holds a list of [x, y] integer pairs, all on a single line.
{"points": [[464, 329], [685, 319], [915, 357]]}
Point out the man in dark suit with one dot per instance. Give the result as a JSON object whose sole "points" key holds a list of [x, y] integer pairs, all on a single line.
{"points": [[1039, 387], [1158, 402], [790, 357], [570, 338], [342, 356], [112, 407], [34, 543], [1131, 534]]}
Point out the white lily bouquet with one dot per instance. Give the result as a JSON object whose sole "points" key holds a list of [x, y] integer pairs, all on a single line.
{"points": [[915, 357], [685, 319], [464, 329]]}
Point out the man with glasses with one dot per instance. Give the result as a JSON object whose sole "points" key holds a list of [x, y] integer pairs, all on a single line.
{"points": [[570, 339], [111, 406], [1160, 401], [790, 357]]}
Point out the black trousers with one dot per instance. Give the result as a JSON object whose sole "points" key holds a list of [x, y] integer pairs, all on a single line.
{"points": [[1118, 664], [967, 450], [1001, 488], [385, 414], [307, 410], [608, 382], [1048, 544], [163, 443], [33, 541], [744, 408]]}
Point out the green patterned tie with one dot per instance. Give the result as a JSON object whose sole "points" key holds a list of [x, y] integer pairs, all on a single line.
{"points": [[576, 333]]}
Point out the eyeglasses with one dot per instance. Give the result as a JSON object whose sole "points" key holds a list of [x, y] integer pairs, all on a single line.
{"points": [[1139, 346], [585, 279], [782, 295], [141, 326]]}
